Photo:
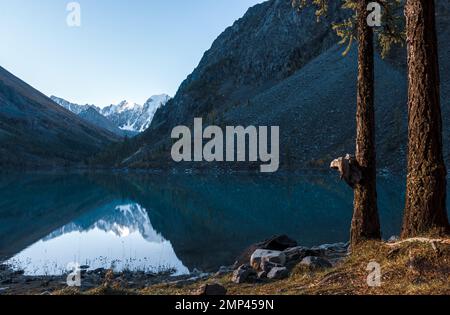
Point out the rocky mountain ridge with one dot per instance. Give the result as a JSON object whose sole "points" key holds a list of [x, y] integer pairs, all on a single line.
{"points": [[123, 119], [278, 67], [36, 132]]}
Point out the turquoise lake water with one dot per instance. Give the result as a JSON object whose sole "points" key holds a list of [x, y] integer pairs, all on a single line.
{"points": [[153, 222]]}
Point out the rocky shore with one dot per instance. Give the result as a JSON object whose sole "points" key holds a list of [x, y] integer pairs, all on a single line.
{"points": [[275, 266], [275, 258], [270, 260]]}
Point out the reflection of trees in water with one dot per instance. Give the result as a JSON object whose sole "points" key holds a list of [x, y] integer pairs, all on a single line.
{"points": [[208, 219], [34, 205]]}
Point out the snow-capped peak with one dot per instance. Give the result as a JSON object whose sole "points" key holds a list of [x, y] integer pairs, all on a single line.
{"points": [[126, 105], [161, 99], [150, 107], [126, 115]]}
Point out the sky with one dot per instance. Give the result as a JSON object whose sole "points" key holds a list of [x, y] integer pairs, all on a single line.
{"points": [[123, 49]]}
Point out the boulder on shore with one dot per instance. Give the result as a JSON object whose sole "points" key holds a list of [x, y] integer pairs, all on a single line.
{"points": [[244, 273], [315, 263], [278, 273], [276, 243], [211, 289], [264, 255], [296, 254]]}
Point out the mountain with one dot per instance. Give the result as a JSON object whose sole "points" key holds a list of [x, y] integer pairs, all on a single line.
{"points": [[74, 108], [91, 114], [125, 118], [134, 117], [36, 132], [278, 67], [94, 117]]}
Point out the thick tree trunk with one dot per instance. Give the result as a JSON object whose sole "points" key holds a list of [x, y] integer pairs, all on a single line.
{"points": [[365, 223], [425, 210]]}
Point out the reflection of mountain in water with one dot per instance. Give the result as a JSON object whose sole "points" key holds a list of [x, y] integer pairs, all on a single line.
{"points": [[34, 205], [120, 219], [117, 234], [210, 219], [207, 219]]}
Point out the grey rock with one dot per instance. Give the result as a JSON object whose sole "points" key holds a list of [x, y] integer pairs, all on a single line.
{"points": [[212, 290], [271, 256], [276, 243], [244, 273], [223, 270], [337, 247], [278, 273], [262, 275], [297, 253], [316, 263], [267, 266]]}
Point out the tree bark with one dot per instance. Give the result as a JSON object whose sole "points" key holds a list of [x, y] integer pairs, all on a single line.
{"points": [[365, 222], [425, 210]]}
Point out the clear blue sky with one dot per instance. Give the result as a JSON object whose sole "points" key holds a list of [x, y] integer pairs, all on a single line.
{"points": [[124, 49]]}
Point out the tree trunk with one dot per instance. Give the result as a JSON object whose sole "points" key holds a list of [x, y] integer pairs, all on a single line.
{"points": [[425, 210], [365, 223]]}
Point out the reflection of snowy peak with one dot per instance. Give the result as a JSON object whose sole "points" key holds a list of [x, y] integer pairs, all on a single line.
{"points": [[122, 220], [127, 219]]}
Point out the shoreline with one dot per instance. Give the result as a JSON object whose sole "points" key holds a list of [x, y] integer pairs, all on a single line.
{"points": [[410, 267], [16, 282]]}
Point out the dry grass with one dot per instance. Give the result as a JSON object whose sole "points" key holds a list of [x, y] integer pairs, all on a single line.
{"points": [[409, 268]]}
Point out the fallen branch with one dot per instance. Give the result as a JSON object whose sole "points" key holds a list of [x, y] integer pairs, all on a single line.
{"points": [[421, 240]]}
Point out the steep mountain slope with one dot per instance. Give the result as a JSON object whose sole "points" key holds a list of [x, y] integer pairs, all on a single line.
{"points": [[34, 131], [277, 67], [267, 45], [149, 110], [74, 108], [92, 116]]}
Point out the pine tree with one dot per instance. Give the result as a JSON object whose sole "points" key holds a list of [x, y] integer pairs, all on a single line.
{"points": [[425, 209], [365, 222]]}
